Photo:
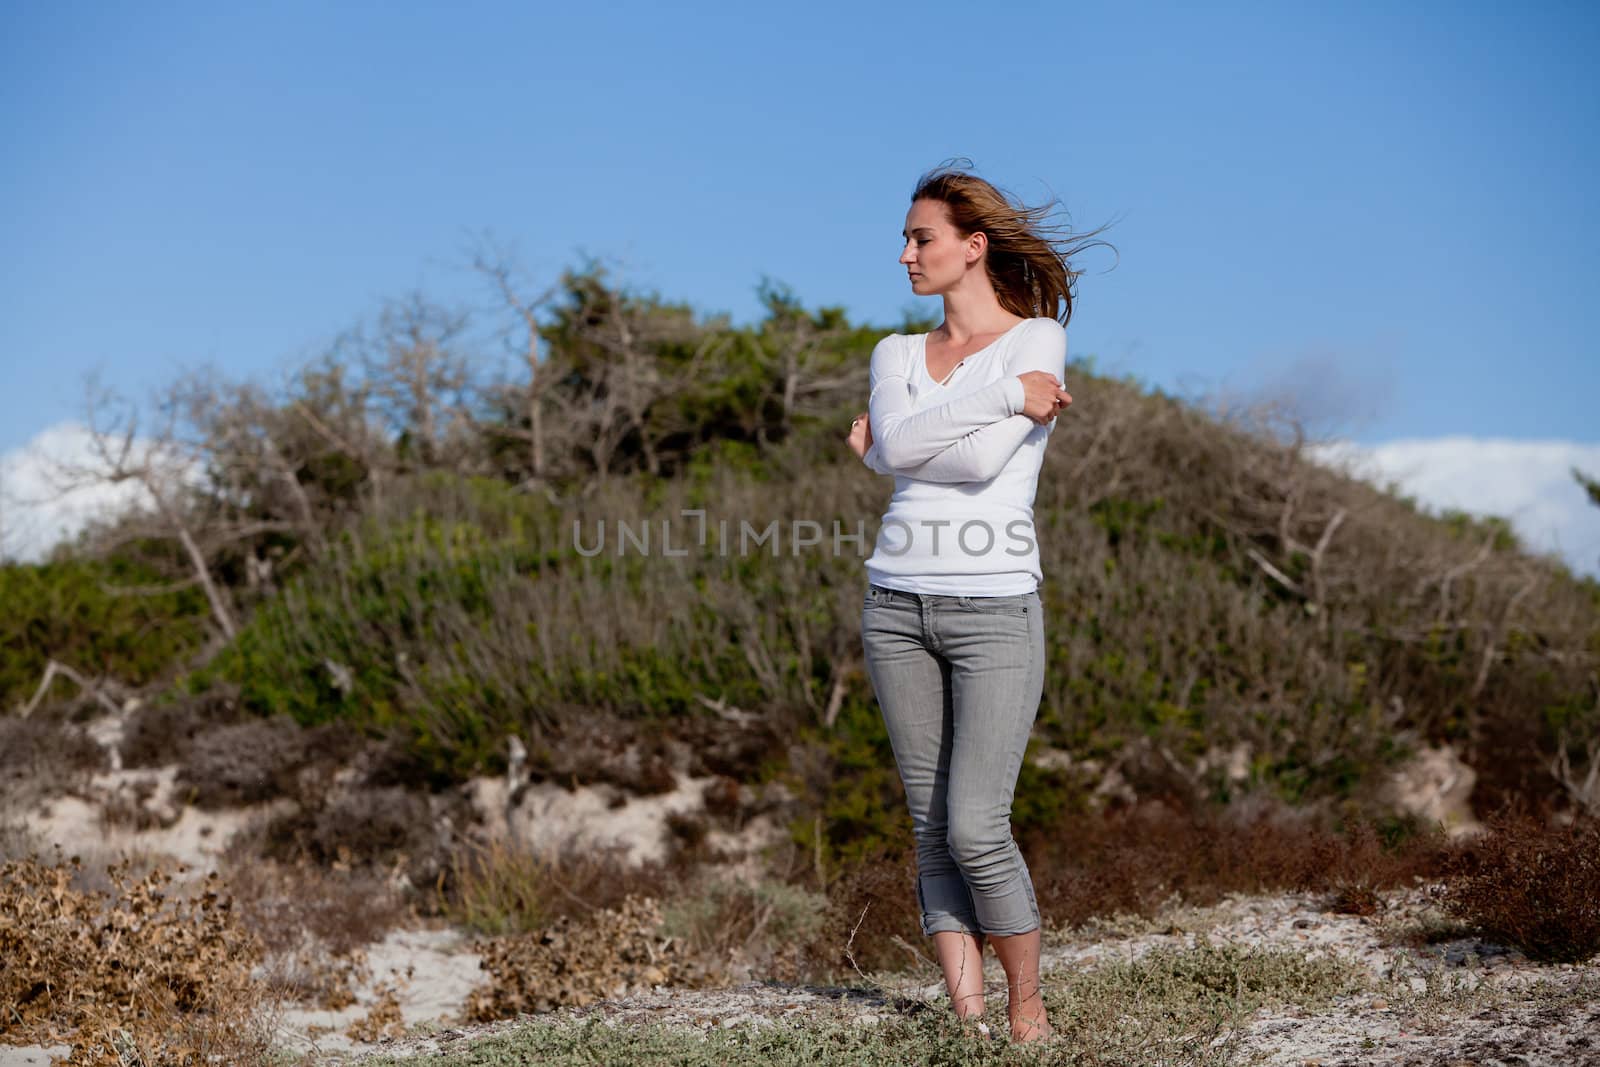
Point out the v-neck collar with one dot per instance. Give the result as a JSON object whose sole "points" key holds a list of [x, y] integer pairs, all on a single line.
{"points": [[922, 354]]}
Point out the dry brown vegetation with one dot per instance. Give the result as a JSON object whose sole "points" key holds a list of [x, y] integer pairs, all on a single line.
{"points": [[1531, 884], [611, 952], [143, 974], [1132, 860], [170, 974]]}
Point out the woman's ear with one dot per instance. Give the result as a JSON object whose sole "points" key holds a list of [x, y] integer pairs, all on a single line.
{"points": [[977, 244]]}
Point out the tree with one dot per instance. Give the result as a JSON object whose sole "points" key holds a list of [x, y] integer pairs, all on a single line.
{"points": [[1590, 485], [184, 480]]}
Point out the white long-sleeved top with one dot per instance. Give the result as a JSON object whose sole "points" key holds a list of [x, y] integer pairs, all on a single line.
{"points": [[965, 463]]}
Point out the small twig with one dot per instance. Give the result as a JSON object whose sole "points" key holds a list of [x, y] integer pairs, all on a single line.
{"points": [[851, 956]]}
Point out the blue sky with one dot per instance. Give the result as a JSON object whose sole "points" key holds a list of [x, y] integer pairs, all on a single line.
{"points": [[1385, 209]]}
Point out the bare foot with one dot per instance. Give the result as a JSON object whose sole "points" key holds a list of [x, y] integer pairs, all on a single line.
{"points": [[1031, 1023]]}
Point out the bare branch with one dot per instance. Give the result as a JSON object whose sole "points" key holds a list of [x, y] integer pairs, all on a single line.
{"points": [[53, 668]]}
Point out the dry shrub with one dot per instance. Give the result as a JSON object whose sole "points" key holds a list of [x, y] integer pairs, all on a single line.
{"points": [[383, 1019], [503, 887], [42, 753], [728, 927], [730, 747], [498, 888], [138, 969], [165, 732], [612, 952], [1531, 884], [599, 747], [1132, 859], [254, 760], [739, 929], [314, 923], [244, 763], [1355, 899], [282, 903], [871, 922], [392, 828]]}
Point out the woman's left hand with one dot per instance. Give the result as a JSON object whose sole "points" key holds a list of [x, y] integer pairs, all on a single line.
{"points": [[860, 438]]}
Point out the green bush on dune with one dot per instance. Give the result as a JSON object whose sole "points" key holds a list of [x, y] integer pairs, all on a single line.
{"points": [[112, 618]]}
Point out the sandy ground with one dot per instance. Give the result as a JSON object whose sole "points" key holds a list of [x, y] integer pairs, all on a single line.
{"points": [[1508, 1010], [431, 972], [1520, 1017], [31, 1055]]}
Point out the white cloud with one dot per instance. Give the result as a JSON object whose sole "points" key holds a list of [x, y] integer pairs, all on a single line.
{"points": [[1529, 483], [36, 512]]}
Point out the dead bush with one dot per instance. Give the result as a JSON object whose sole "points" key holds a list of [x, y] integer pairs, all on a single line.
{"points": [[283, 904], [739, 930], [41, 753], [1133, 859], [498, 889], [598, 747], [576, 961], [382, 1020], [731, 748], [393, 828], [872, 921], [244, 763], [1530, 883], [164, 732], [142, 970], [502, 887], [255, 760]]}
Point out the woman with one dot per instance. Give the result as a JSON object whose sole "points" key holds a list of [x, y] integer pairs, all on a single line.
{"points": [[951, 625]]}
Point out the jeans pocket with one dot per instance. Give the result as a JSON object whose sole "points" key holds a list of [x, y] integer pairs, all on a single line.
{"points": [[877, 596], [1020, 604]]}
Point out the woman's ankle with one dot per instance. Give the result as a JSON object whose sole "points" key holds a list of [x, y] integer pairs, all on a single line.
{"points": [[1029, 1019]]}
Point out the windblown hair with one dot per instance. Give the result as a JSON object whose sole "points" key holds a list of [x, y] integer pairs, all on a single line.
{"points": [[1029, 261]]}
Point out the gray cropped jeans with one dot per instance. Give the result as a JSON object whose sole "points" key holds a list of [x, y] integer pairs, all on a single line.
{"points": [[958, 679]]}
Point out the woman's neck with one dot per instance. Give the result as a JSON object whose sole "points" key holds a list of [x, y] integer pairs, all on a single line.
{"points": [[973, 312]]}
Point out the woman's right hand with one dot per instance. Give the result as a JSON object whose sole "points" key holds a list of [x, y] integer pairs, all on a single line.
{"points": [[860, 438], [1043, 397]]}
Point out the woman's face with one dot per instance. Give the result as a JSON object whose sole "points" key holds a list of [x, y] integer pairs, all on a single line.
{"points": [[935, 256]]}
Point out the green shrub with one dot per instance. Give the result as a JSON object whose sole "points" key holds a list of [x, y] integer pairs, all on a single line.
{"points": [[103, 618]]}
